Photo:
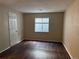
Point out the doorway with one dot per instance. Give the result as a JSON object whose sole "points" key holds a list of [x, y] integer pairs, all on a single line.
{"points": [[13, 28]]}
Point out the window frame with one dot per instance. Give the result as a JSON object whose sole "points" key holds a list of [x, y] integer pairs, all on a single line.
{"points": [[42, 25]]}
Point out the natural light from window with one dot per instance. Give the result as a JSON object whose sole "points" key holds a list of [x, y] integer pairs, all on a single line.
{"points": [[42, 24]]}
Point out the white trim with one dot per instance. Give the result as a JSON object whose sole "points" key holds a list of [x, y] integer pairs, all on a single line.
{"points": [[9, 47], [4, 49], [50, 40], [16, 43], [67, 51]]}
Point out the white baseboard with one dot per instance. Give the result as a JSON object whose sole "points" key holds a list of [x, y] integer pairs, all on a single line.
{"points": [[4, 49], [9, 47], [18, 42], [68, 51], [50, 40]]}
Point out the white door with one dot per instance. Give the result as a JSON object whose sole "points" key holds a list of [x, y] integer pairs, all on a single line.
{"points": [[13, 28]]}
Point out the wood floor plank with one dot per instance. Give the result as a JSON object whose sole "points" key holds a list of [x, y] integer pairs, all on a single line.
{"points": [[35, 50]]}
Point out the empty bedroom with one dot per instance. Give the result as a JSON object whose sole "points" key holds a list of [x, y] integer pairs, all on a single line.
{"points": [[39, 29]]}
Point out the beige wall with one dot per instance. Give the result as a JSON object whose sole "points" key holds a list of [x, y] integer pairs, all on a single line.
{"points": [[55, 30], [4, 33], [4, 27], [71, 30]]}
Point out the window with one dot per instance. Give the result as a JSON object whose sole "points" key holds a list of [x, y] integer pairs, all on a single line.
{"points": [[42, 24]]}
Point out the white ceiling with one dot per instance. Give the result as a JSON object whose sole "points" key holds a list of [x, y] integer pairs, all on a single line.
{"points": [[37, 6]]}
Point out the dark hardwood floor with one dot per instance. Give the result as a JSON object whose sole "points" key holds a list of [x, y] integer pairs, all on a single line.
{"points": [[36, 50]]}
